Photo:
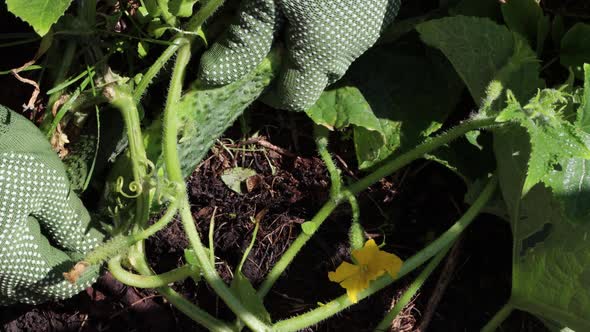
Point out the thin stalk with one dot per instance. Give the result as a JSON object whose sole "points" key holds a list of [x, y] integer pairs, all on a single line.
{"points": [[363, 184], [166, 15], [64, 65], [121, 243], [419, 152], [211, 234], [152, 281], [321, 140], [174, 174], [294, 248], [158, 225], [68, 105], [498, 318], [250, 246], [385, 324], [208, 9], [121, 98], [195, 313], [335, 306], [179, 40], [156, 67]]}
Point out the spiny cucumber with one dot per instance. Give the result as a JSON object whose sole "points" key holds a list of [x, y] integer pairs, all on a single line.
{"points": [[203, 115]]}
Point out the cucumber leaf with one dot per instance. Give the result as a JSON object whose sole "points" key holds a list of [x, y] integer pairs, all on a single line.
{"points": [[410, 103], [550, 225], [569, 185], [526, 17], [551, 256], [40, 14], [575, 48], [553, 139]]}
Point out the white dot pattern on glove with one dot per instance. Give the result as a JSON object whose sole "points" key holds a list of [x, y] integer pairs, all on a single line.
{"points": [[323, 38], [245, 45], [30, 270]]}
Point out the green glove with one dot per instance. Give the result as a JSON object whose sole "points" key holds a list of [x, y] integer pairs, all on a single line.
{"points": [[323, 38], [44, 228]]}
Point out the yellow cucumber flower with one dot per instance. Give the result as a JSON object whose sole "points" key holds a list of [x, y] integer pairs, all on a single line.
{"points": [[372, 263]]}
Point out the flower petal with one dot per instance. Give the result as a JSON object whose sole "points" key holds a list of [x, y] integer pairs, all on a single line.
{"points": [[366, 254], [344, 271], [385, 261], [354, 285]]}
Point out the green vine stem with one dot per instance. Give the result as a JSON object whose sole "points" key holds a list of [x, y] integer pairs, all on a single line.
{"points": [[150, 281], [155, 68], [356, 233], [179, 40], [172, 164], [335, 306], [498, 318], [365, 183], [166, 15], [321, 140], [120, 97], [385, 324], [419, 152], [120, 243], [195, 313]]}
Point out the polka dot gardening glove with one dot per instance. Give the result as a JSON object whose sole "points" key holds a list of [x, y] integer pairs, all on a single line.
{"points": [[44, 228], [323, 38]]}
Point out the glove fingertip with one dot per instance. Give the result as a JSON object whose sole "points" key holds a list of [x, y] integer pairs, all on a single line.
{"points": [[299, 90], [221, 66]]}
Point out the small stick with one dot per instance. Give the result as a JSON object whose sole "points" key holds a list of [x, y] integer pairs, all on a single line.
{"points": [[445, 278], [264, 143]]}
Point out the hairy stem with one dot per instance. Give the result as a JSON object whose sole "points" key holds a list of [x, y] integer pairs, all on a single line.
{"points": [[385, 324], [335, 306], [120, 97], [179, 40], [151, 281], [321, 139], [195, 313], [498, 318], [174, 174], [383, 171]]}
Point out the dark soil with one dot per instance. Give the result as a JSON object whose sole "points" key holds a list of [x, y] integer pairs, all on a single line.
{"points": [[406, 210]]}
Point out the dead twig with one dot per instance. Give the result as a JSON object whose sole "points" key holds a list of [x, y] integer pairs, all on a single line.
{"points": [[445, 278], [266, 144]]}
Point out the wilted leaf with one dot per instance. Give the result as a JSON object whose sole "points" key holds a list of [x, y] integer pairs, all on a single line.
{"points": [[343, 106], [234, 177]]}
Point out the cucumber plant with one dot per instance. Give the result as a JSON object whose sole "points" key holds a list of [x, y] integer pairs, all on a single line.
{"points": [[534, 164]]}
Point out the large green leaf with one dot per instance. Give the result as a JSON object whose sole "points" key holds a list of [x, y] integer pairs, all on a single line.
{"points": [[477, 47], [575, 48], [526, 17], [551, 256], [468, 43], [410, 102], [570, 184], [40, 14], [553, 139]]}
